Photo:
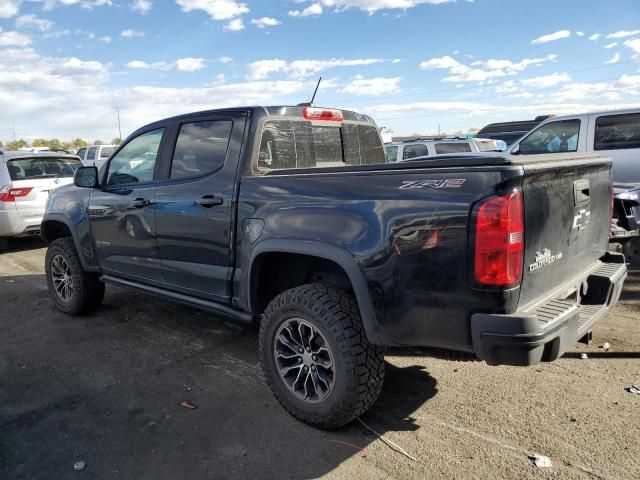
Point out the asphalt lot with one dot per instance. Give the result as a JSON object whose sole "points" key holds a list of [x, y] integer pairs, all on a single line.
{"points": [[107, 389]]}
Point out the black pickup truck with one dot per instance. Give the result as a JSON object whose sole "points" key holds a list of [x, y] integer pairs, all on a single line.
{"points": [[290, 217]]}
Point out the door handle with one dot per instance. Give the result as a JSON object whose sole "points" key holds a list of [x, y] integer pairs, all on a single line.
{"points": [[140, 203], [209, 201]]}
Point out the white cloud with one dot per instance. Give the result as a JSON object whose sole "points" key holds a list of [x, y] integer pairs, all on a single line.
{"points": [[580, 34], [225, 59], [106, 39], [9, 8], [551, 37], [216, 9], [261, 69], [312, 10], [190, 64], [129, 33], [140, 65], [9, 39], [546, 80], [53, 90], [370, 6], [634, 45], [187, 64], [234, 25], [141, 6], [86, 4], [614, 59], [265, 22], [595, 36], [628, 82], [371, 86], [31, 21], [481, 71], [611, 45], [623, 34]]}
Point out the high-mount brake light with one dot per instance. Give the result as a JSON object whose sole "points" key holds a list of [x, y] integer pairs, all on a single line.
{"points": [[9, 194], [499, 240], [326, 114]]}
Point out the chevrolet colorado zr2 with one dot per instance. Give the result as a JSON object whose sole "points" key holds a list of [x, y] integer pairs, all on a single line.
{"points": [[291, 217]]}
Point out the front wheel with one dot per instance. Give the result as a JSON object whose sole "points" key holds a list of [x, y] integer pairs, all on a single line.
{"points": [[316, 356], [73, 290]]}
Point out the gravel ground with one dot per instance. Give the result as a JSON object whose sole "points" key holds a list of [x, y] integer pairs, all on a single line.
{"points": [[107, 389]]}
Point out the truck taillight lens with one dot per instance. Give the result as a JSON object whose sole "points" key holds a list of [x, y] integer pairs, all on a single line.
{"points": [[499, 240], [9, 194], [326, 114]]}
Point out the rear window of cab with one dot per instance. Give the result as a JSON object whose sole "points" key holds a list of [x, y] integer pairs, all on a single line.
{"points": [[290, 144]]}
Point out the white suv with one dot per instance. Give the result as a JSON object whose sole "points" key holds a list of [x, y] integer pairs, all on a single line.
{"points": [[403, 151], [25, 182], [96, 155]]}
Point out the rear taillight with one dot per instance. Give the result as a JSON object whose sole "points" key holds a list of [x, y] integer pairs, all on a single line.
{"points": [[499, 240], [326, 114], [9, 194]]}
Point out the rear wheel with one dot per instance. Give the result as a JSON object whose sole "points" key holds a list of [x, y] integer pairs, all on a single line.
{"points": [[73, 290], [316, 357]]}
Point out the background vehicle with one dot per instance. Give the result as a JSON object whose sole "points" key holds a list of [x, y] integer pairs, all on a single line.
{"points": [[96, 155], [401, 151], [292, 217], [25, 182], [509, 132], [614, 134]]}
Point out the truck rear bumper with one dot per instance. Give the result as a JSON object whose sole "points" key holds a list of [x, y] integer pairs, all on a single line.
{"points": [[546, 331]]}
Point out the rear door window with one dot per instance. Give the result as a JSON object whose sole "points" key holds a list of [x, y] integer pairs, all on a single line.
{"points": [[201, 148], [91, 154], [33, 168], [452, 147], [298, 144], [415, 151], [554, 137], [617, 132]]}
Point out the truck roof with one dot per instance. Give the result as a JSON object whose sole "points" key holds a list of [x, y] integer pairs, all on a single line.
{"points": [[283, 111]]}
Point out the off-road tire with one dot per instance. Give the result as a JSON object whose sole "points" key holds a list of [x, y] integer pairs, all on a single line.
{"points": [[88, 291], [358, 364]]}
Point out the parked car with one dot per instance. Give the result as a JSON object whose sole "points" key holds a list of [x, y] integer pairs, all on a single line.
{"points": [[510, 132], [26, 179], [291, 217], [96, 155], [403, 151], [614, 134]]}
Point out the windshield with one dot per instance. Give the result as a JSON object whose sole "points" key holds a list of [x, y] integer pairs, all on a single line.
{"points": [[49, 167]]}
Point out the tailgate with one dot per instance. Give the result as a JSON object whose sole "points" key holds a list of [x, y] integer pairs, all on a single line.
{"points": [[567, 205]]}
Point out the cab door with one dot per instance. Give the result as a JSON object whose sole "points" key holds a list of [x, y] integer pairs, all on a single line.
{"points": [[122, 210], [195, 205]]}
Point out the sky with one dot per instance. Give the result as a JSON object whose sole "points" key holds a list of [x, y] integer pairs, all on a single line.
{"points": [[416, 66]]}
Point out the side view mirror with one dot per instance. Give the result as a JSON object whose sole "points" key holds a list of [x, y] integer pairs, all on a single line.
{"points": [[515, 150], [86, 177]]}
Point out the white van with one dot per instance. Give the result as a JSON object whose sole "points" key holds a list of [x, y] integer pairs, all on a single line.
{"points": [[613, 134]]}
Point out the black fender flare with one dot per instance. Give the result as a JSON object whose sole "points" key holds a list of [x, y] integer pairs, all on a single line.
{"points": [[327, 251], [85, 249]]}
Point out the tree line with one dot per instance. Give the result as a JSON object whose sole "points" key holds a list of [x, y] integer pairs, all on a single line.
{"points": [[55, 144]]}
